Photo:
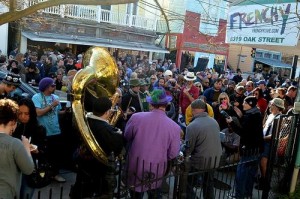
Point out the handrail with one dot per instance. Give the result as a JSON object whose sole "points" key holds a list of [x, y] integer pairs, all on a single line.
{"points": [[93, 13]]}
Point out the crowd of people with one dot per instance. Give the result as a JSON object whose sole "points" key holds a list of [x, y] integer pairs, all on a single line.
{"points": [[165, 110]]}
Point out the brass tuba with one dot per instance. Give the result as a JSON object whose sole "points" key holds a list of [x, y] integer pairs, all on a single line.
{"points": [[99, 77]]}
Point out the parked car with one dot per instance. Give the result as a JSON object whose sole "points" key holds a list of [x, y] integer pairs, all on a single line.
{"points": [[26, 90]]}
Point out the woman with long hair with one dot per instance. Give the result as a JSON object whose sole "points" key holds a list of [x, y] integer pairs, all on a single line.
{"points": [[29, 127], [224, 105], [15, 157]]}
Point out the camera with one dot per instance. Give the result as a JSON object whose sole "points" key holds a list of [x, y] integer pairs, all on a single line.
{"points": [[224, 114]]}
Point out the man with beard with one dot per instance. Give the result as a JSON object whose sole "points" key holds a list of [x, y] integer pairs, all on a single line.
{"points": [[213, 93], [230, 88], [205, 83]]}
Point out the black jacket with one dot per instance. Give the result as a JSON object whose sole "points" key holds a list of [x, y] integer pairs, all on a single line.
{"points": [[250, 131]]}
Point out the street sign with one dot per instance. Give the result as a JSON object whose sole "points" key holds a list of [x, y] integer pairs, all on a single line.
{"points": [[269, 22]]}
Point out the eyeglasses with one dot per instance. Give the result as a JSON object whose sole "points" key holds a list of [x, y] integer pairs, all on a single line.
{"points": [[223, 98]]}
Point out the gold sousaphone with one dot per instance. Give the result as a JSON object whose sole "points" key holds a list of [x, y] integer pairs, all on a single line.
{"points": [[99, 77]]}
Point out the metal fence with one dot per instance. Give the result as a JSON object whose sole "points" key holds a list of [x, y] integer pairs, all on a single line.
{"points": [[284, 145], [180, 179]]}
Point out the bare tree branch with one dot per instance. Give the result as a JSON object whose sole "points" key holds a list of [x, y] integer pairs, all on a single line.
{"points": [[14, 14], [166, 18]]}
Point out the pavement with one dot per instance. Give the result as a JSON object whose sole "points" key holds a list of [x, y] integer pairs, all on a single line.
{"points": [[61, 190], [57, 190]]}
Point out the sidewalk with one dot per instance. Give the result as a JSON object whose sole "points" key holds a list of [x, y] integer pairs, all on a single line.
{"points": [[56, 187]]}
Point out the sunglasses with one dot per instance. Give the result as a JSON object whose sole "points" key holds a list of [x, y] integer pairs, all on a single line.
{"points": [[223, 98]]}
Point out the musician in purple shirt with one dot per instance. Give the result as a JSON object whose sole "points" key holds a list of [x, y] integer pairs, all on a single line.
{"points": [[153, 140]]}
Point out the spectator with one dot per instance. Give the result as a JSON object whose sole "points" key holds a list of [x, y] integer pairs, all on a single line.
{"points": [[224, 105], [48, 109], [203, 140], [15, 156], [13, 66], [249, 88], [59, 79], [213, 93], [230, 88], [238, 77], [265, 91], [189, 114], [32, 74], [21, 67], [231, 144], [29, 127], [276, 107], [38, 64], [262, 103], [205, 83], [290, 97], [238, 97], [14, 52], [9, 84], [251, 144], [188, 93], [154, 139]]}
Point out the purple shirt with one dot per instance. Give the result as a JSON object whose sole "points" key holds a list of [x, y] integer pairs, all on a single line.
{"points": [[153, 139]]}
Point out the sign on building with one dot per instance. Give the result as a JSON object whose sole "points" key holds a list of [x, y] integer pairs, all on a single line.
{"points": [[268, 22]]}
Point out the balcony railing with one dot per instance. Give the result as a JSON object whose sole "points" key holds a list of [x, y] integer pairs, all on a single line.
{"points": [[95, 13]]}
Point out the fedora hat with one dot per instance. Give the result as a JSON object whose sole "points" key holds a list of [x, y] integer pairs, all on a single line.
{"points": [[158, 97], [190, 76], [278, 102], [134, 82]]}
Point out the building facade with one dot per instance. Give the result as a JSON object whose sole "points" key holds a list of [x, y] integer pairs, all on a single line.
{"points": [[201, 38], [122, 29]]}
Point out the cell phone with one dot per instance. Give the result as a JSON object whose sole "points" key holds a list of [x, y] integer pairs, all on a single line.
{"points": [[224, 114]]}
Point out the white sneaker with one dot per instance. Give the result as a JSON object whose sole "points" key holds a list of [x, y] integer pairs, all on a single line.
{"points": [[58, 178]]}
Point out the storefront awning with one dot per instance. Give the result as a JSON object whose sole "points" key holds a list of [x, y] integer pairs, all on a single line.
{"points": [[92, 41], [273, 63]]}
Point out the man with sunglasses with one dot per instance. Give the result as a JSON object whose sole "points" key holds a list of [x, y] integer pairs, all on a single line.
{"points": [[48, 109]]}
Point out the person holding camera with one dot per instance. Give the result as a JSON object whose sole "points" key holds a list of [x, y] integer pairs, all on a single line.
{"points": [[251, 146], [224, 109]]}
